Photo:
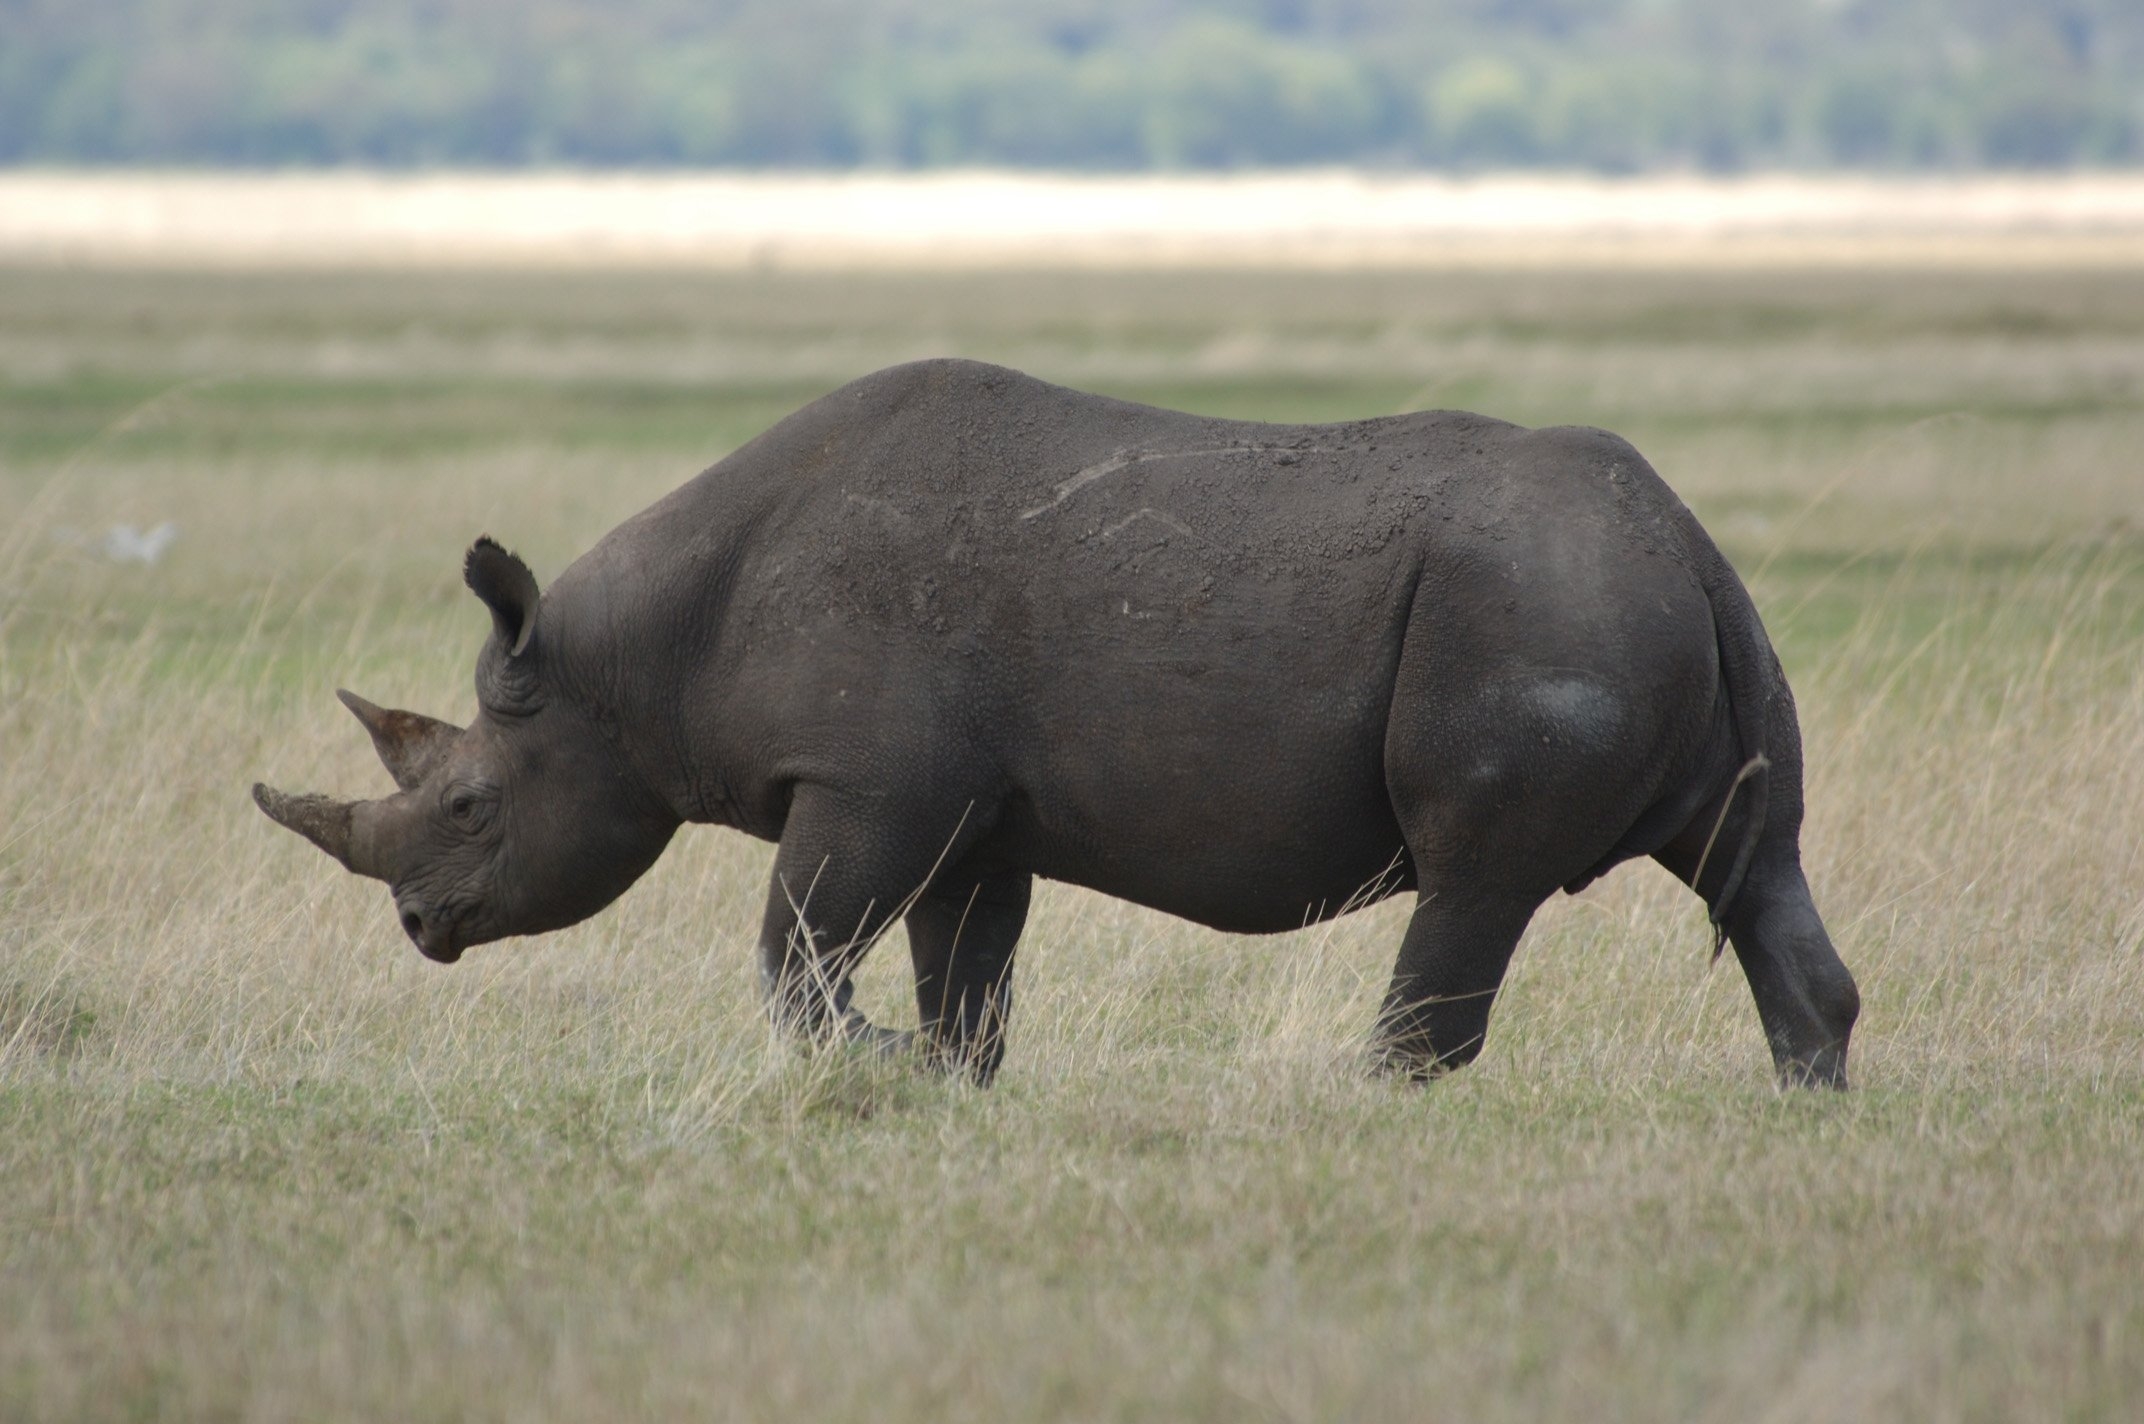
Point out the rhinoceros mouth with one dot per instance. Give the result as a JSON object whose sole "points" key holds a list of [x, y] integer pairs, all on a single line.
{"points": [[435, 937], [440, 953]]}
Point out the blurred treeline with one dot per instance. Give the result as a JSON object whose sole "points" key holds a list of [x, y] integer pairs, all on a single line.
{"points": [[1085, 84]]}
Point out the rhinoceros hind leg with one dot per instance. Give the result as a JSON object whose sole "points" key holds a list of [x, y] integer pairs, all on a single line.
{"points": [[962, 933], [1450, 966], [1806, 998]]}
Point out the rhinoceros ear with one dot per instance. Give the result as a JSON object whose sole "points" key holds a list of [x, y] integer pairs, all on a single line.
{"points": [[410, 744], [508, 590]]}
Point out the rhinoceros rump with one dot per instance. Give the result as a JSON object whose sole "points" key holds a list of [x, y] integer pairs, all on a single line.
{"points": [[951, 628]]}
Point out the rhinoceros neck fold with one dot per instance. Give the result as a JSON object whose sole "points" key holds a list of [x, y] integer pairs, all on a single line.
{"points": [[621, 626]]}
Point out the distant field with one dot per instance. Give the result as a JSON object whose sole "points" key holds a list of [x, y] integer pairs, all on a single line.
{"points": [[258, 1160], [962, 220]]}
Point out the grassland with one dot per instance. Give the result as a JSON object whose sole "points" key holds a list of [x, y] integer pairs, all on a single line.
{"points": [[258, 1161]]}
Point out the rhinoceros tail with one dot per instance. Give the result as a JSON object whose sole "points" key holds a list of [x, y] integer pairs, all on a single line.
{"points": [[1748, 672]]}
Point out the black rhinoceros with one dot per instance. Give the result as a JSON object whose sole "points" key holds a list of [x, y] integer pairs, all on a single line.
{"points": [[950, 628]]}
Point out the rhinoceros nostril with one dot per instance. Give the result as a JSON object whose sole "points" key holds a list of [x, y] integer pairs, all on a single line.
{"points": [[413, 926]]}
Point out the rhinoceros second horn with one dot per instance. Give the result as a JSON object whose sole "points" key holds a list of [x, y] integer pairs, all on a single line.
{"points": [[409, 744]]}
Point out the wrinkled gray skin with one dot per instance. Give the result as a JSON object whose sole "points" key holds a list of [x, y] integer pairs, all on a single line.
{"points": [[951, 628]]}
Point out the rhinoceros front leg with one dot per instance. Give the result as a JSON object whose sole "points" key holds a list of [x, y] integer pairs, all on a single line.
{"points": [[961, 934], [845, 871]]}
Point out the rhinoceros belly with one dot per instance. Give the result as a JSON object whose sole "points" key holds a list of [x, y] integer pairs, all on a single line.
{"points": [[1227, 767]]}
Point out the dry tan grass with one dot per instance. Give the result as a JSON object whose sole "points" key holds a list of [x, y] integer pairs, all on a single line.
{"points": [[257, 1160]]}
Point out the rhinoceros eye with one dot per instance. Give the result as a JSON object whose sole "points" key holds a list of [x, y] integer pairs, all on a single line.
{"points": [[468, 807]]}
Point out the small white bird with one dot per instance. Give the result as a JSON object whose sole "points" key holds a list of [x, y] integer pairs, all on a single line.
{"points": [[123, 544]]}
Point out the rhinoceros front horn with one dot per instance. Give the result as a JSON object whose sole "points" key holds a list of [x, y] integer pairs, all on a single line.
{"points": [[327, 823]]}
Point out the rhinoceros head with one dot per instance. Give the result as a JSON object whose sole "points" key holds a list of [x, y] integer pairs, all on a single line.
{"points": [[527, 820]]}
